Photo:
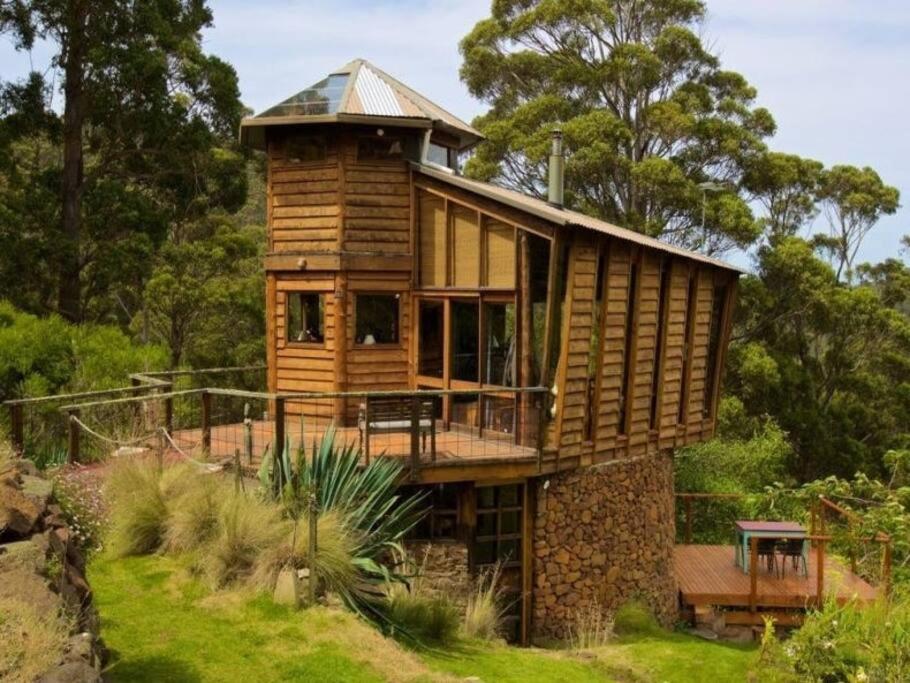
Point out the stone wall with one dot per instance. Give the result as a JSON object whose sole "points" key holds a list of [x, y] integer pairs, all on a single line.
{"points": [[42, 573], [444, 569], [603, 536]]}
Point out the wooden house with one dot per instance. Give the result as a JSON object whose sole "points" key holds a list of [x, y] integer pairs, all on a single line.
{"points": [[552, 361]]}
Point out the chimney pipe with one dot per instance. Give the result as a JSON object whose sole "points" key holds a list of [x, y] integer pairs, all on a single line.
{"points": [[557, 171]]}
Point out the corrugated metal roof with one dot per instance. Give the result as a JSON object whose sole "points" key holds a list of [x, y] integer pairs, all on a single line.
{"points": [[564, 217], [367, 91]]}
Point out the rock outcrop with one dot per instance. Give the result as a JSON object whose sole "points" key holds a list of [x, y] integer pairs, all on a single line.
{"points": [[42, 567]]}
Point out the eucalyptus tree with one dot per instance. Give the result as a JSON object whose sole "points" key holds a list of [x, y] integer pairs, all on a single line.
{"points": [[143, 134], [647, 111]]}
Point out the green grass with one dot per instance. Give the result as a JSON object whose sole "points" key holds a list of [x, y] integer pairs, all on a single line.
{"points": [[161, 624]]}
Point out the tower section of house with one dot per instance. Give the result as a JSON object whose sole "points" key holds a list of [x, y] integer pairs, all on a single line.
{"points": [[545, 363]]}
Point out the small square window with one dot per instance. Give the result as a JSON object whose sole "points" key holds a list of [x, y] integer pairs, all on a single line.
{"points": [[377, 319], [306, 317], [379, 149], [303, 148]]}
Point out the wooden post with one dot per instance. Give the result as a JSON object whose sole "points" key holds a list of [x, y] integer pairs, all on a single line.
{"points": [[688, 500], [72, 453], [415, 436], [279, 427], [753, 573], [206, 422], [340, 357], [169, 409], [312, 519], [820, 572], [17, 427]]}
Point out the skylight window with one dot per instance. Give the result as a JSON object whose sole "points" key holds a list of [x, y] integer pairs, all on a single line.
{"points": [[322, 98]]}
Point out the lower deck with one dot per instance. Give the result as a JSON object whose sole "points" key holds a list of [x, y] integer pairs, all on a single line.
{"points": [[708, 576]]}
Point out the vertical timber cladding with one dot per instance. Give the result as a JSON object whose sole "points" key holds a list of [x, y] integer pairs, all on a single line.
{"points": [[699, 354]]}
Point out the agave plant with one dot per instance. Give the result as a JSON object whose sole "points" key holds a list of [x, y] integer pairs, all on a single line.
{"points": [[365, 499]]}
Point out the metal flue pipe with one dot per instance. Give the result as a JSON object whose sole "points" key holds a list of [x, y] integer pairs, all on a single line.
{"points": [[557, 169]]}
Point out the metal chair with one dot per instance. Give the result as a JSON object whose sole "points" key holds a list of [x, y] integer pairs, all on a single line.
{"points": [[767, 549], [792, 549]]}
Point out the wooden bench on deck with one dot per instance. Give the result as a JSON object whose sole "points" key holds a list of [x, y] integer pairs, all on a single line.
{"points": [[397, 414]]}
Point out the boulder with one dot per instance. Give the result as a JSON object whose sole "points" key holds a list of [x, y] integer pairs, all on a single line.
{"points": [[19, 513], [72, 672], [38, 488]]}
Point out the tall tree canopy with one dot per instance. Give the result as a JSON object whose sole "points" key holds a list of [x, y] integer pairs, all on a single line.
{"points": [[141, 148], [648, 113]]}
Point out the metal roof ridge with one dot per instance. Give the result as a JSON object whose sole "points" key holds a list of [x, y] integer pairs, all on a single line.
{"points": [[559, 216]]}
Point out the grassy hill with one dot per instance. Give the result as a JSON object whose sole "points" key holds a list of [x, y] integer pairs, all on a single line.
{"points": [[162, 624]]}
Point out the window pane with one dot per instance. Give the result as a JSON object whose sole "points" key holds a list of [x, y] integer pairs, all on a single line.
{"points": [[444, 526], [499, 415], [377, 318], [500, 255], [432, 232], [510, 551], [511, 522], [465, 331], [306, 317], [499, 344], [486, 524], [430, 350], [379, 149], [466, 247], [509, 496], [437, 154], [486, 552], [464, 409], [321, 98], [486, 497], [300, 148]]}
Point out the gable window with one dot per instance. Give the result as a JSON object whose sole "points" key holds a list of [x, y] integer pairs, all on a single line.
{"points": [[376, 318], [441, 156], [305, 148], [376, 148], [306, 317]]}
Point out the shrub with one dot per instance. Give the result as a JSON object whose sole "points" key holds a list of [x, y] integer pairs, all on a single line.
{"points": [[851, 642], [484, 611], [427, 619], [635, 619], [246, 527], [31, 642], [82, 505]]}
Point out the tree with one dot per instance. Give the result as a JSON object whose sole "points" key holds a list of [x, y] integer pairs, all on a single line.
{"points": [[144, 113], [786, 186], [647, 112], [854, 200]]}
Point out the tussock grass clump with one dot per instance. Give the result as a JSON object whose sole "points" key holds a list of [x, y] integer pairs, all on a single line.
{"points": [[31, 641], [484, 611], [635, 619], [246, 528], [335, 549], [193, 511], [591, 627], [139, 490], [427, 619]]}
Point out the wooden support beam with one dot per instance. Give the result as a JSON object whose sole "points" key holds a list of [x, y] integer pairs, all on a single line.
{"points": [[206, 398], [340, 359], [17, 427], [820, 572], [753, 573], [415, 436], [73, 442], [279, 426]]}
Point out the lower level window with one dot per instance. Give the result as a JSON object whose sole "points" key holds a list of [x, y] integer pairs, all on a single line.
{"points": [[377, 317], [306, 317]]}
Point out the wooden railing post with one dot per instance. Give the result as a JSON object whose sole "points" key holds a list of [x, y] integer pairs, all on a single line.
{"points": [[688, 502], [72, 451], [206, 422], [279, 428], [820, 572], [312, 546], [415, 436], [17, 427], [753, 573], [168, 409]]}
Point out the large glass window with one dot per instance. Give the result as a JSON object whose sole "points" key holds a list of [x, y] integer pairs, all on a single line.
{"points": [[305, 148], [465, 247], [379, 149], [320, 98], [441, 520], [465, 341], [430, 361], [377, 318], [432, 235], [305, 317], [499, 344]]}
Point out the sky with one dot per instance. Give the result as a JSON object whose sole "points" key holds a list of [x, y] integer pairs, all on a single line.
{"points": [[834, 73]]}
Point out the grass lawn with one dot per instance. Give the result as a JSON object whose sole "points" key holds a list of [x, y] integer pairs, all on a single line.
{"points": [[162, 625]]}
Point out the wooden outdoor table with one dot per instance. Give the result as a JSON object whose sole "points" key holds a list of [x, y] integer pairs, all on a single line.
{"points": [[746, 529]]}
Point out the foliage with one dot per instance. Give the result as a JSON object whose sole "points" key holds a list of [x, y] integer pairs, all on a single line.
{"points": [[850, 643], [142, 146], [42, 356], [635, 619], [192, 519], [647, 111], [31, 641], [590, 628], [485, 610]]}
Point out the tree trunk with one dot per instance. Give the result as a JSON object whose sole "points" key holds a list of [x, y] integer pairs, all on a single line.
{"points": [[74, 113]]}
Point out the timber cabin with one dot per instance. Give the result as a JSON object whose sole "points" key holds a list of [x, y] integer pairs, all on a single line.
{"points": [[533, 366]]}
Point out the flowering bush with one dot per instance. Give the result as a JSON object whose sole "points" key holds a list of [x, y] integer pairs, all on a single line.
{"points": [[78, 493]]}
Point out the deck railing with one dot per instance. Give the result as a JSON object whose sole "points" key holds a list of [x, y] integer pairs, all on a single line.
{"points": [[166, 412], [819, 513]]}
